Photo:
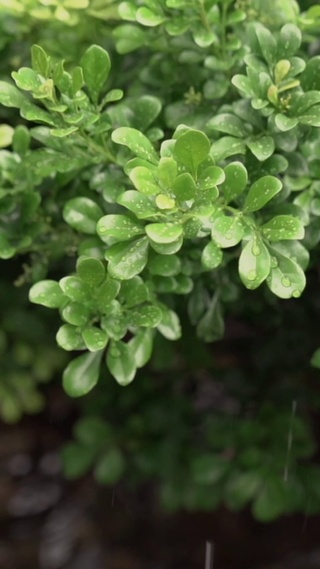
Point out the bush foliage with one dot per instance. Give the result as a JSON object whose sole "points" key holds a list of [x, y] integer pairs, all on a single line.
{"points": [[158, 187]]}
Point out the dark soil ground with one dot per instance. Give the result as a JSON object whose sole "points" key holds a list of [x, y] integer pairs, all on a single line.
{"points": [[47, 523]]}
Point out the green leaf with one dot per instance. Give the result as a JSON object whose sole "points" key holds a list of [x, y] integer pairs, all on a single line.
{"points": [[289, 41], [21, 139], [92, 432], [147, 17], [75, 289], [6, 135], [284, 123], [164, 202], [211, 256], [82, 214], [227, 231], [235, 182], [141, 347], [40, 60], [96, 67], [261, 192], [315, 360], [10, 96], [229, 124], [94, 338], [137, 142], [91, 271], [144, 180], [227, 146], [211, 326], [121, 362], [293, 250], [164, 233], [134, 291], [126, 260], [110, 467], [208, 469], [267, 43], [191, 149], [243, 83], [106, 293], [128, 38], [167, 248], [26, 79], [69, 338], [283, 227], [119, 227], [164, 265], [286, 278], [47, 293], [76, 313], [169, 326], [211, 177], [254, 263], [310, 79], [77, 460], [36, 114], [139, 204], [184, 187], [262, 148], [145, 316], [82, 374], [311, 117], [241, 488], [272, 501], [114, 322]]}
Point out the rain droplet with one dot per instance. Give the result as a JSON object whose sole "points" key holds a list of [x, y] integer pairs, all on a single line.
{"points": [[228, 236], [252, 275], [256, 250], [274, 262], [296, 293], [285, 281]]}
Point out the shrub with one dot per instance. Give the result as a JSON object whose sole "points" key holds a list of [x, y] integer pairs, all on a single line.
{"points": [[168, 177]]}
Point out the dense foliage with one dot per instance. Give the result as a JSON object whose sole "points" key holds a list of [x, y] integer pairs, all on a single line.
{"points": [[163, 185]]}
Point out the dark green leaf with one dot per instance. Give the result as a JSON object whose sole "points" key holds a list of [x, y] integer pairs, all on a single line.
{"points": [[126, 260], [283, 227], [91, 270], [121, 362], [137, 142], [110, 467], [235, 182], [191, 149], [261, 192], [211, 326], [82, 214], [96, 67], [47, 293]]}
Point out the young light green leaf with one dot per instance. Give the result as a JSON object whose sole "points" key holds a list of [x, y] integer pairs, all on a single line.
{"points": [[286, 278], [126, 260], [82, 214], [211, 256], [254, 263], [96, 67], [141, 346], [283, 227], [145, 316], [261, 192], [26, 79], [148, 17], [121, 362], [91, 270], [164, 233], [227, 231], [94, 338], [137, 142], [40, 60], [47, 293], [119, 227], [191, 149], [235, 181], [82, 374]]}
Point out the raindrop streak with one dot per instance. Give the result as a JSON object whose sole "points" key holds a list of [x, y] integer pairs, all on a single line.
{"points": [[290, 441], [209, 555]]}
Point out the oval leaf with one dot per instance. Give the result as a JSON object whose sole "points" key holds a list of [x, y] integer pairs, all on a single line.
{"points": [[82, 374]]}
